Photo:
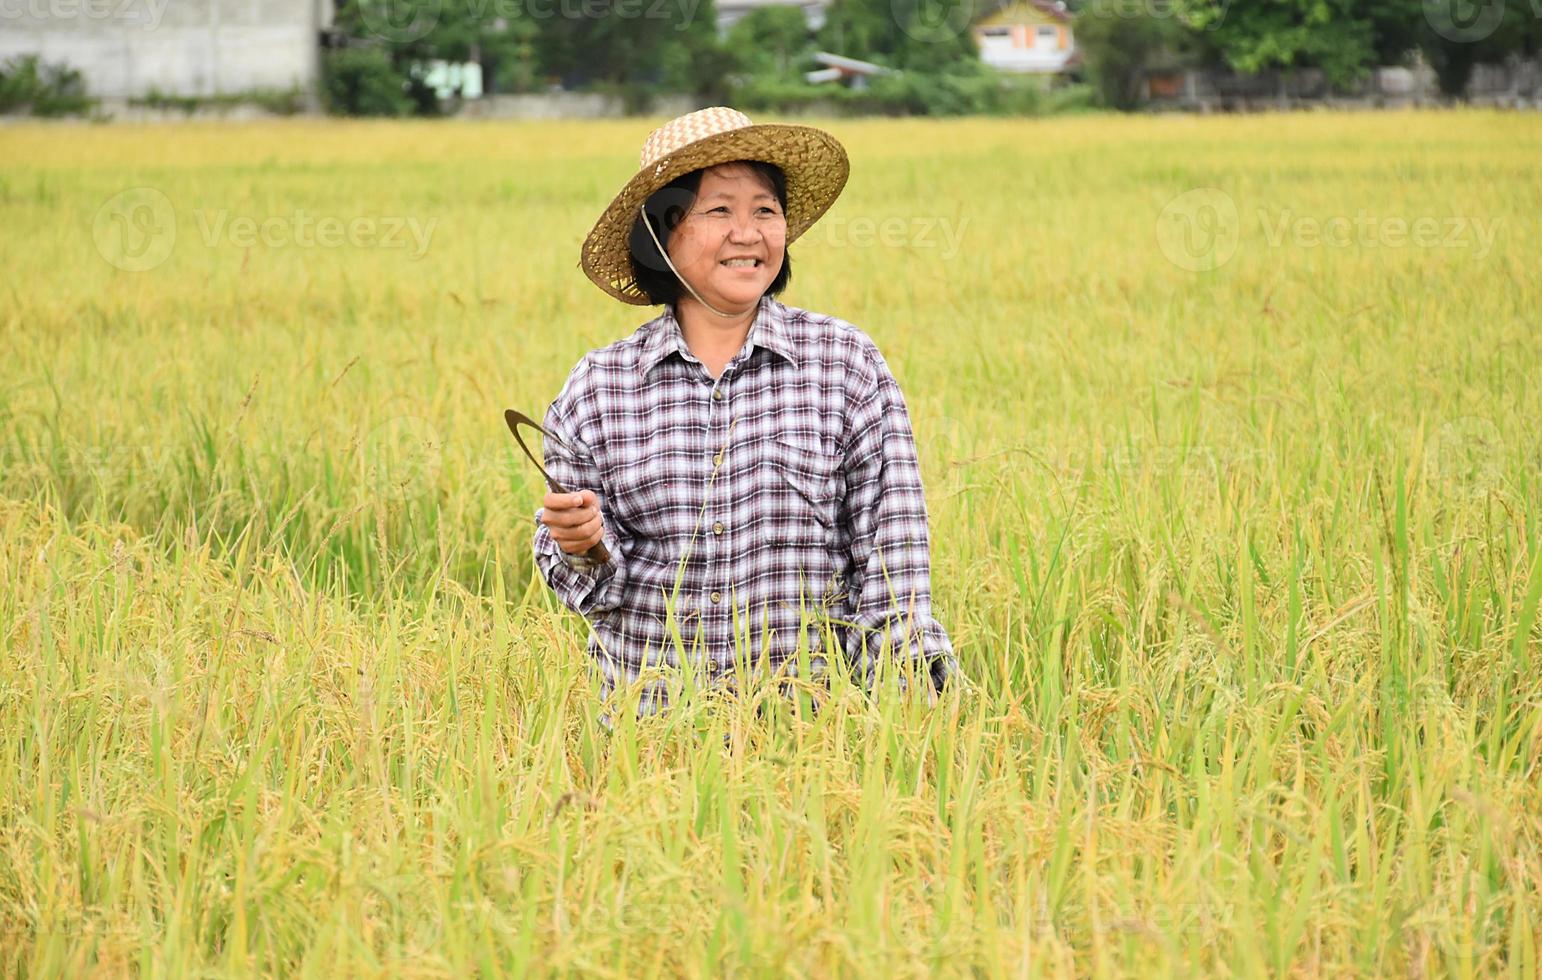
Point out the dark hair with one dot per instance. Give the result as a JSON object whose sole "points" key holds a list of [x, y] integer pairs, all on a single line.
{"points": [[666, 208]]}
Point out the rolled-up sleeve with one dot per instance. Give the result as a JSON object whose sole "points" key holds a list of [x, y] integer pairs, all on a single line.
{"points": [[587, 589], [890, 544]]}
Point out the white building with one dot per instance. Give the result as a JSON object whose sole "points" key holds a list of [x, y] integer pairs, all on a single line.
{"points": [[1027, 36], [125, 48]]}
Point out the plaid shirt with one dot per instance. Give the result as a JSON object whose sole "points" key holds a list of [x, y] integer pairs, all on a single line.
{"points": [[782, 498]]}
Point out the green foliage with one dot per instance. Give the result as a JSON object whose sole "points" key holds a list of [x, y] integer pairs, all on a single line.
{"points": [[693, 60], [771, 42], [1469, 36], [640, 49], [363, 82], [972, 89], [632, 42], [1256, 35], [154, 98], [281, 102], [502, 36], [29, 84], [762, 93], [926, 35], [1118, 51]]}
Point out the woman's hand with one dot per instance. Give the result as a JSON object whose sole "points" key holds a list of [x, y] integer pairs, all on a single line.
{"points": [[574, 520]]}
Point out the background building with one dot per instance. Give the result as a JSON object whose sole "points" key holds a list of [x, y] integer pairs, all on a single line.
{"points": [[128, 48], [1028, 36]]}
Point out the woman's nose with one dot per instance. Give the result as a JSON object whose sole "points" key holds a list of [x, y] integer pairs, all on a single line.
{"points": [[743, 229]]}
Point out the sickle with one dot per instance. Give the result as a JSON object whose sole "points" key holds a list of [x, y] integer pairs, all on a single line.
{"points": [[599, 553]]}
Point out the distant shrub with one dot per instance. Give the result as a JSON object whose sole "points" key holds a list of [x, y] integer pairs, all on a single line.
{"points": [[28, 84], [363, 82], [280, 102], [970, 88], [154, 98]]}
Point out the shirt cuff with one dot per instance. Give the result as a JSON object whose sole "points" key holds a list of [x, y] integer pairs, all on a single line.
{"points": [[926, 645], [587, 565]]}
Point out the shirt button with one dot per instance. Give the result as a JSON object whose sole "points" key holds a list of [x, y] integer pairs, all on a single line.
{"points": [[717, 528], [716, 596], [717, 396], [717, 460]]}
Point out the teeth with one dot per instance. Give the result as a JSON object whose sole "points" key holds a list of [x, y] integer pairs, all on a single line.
{"points": [[735, 263]]}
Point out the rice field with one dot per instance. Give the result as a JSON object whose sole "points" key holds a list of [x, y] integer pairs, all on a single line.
{"points": [[1232, 434]]}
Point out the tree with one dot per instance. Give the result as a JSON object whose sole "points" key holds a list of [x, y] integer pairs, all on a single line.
{"points": [[770, 41], [1456, 36], [914, 35], [1118, 51], [694, 60], [636, 47], [1346, 37], [499, 37]]}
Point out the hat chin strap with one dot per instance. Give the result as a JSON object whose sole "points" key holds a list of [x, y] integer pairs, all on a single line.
{"points": [[641, 209]]}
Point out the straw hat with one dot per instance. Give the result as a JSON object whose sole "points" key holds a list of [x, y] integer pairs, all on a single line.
{"points": [[814, 161]]}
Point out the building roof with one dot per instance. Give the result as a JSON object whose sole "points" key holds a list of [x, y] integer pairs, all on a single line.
{"points": [[1055, 11], [852, 66]]}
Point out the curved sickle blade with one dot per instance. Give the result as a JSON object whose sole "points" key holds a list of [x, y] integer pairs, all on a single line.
{"points": [[599, 553], [517, 419]]}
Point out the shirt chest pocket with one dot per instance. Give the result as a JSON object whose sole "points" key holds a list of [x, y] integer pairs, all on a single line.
{"points": [[800, 491]]}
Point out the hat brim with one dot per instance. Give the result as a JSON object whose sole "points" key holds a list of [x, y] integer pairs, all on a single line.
{"points": [[814, 162]]}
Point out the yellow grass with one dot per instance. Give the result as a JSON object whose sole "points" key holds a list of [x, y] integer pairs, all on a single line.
{"points": [[1237, 529]]}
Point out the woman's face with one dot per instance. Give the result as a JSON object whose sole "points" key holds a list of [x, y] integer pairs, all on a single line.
{"points": [[735, 217]]}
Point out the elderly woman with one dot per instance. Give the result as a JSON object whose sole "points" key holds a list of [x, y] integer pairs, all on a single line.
{"points": [[744, 473]]}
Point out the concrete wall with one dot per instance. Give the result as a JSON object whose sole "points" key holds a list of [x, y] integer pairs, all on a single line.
{"points": [[124, 48]]}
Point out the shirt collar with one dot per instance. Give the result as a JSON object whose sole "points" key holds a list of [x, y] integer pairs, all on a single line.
{"points": [[768, 330]]}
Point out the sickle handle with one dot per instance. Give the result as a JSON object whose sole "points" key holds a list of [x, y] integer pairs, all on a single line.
{"points": [[599, 553]]}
